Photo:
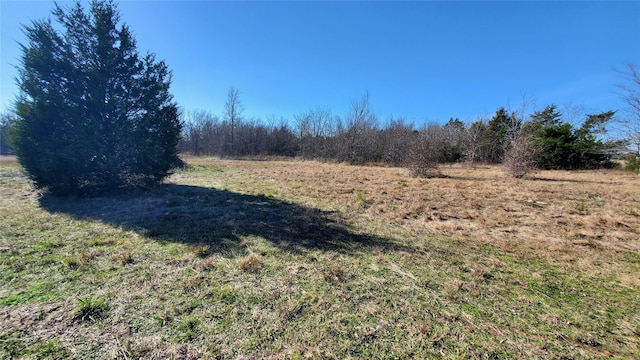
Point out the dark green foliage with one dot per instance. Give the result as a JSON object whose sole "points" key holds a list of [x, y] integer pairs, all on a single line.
{"points": [[557, 142], [500, 131], [93, 115], [564, 147]]}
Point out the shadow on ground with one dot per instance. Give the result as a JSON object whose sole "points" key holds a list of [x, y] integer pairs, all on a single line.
{"points": [[219, 219]]}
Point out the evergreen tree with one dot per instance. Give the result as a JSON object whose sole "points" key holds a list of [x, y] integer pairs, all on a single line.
{"points": [[93, 115], [564, 147], [500, 130]]}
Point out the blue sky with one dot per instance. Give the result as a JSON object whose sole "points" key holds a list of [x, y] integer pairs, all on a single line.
{"points": [[425, 61]]}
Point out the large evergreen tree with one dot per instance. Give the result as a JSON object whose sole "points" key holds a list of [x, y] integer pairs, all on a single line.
{"points": [[564, 147], [93, 114]]}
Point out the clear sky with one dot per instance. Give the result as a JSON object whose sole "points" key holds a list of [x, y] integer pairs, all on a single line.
{"points": [[425, 61]]}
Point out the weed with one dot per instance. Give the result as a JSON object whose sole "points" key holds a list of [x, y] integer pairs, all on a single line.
{"points": [[251, 263], [91, 308], [362, 200]]}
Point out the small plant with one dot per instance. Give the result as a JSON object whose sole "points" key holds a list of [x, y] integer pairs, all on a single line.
{"points": [[251, 263], [362, 200], [91, 308]]}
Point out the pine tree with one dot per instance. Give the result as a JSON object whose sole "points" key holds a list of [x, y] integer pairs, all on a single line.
{"points": [[500, 132], [93, 114]]}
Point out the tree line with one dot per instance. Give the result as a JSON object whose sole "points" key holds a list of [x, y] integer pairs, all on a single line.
{"points": [[359, 137]]}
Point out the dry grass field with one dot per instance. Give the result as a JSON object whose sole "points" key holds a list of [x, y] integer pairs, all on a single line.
{"points": [[581, 220], [239, 259]]}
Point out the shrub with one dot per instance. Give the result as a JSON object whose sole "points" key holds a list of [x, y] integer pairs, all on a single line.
{"points": [[422, 157], [521, 157]]}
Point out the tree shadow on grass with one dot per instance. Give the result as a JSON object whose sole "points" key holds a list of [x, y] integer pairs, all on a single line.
{"points": [[219, 219]]}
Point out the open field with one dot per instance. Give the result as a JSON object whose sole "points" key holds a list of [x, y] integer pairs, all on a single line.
{"points": [[295, 260]]}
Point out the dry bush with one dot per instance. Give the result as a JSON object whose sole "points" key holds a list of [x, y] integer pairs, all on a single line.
{"points": [[520, 158], [422, 157]]}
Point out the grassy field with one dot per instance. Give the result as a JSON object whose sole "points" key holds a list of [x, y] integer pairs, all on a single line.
{"points": [[305, 260]]}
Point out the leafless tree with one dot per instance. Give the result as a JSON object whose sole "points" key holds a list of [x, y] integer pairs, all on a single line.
{"points": [[630, 124], [396, 139], [359, 136], [472, 142], [232, 112]]}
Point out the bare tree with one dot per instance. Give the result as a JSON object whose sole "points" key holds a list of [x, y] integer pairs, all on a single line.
{"points": [[232, 112], [396, 139], [362, 124], [630, 124], [314, 127], [472, 142]]}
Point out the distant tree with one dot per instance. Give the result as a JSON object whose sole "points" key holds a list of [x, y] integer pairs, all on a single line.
{"points": [[233, 114], [549, 116], [472, 142], [561, 146], [314, 126], [359, 139], [202, 134], [591, 150], [282, 141], [498, 135], [631, 96], [7, 120], [93, 115], [452, 138], [395, 141]]}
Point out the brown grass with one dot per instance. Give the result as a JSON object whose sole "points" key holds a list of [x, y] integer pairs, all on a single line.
{"points": [[577, 219]]}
